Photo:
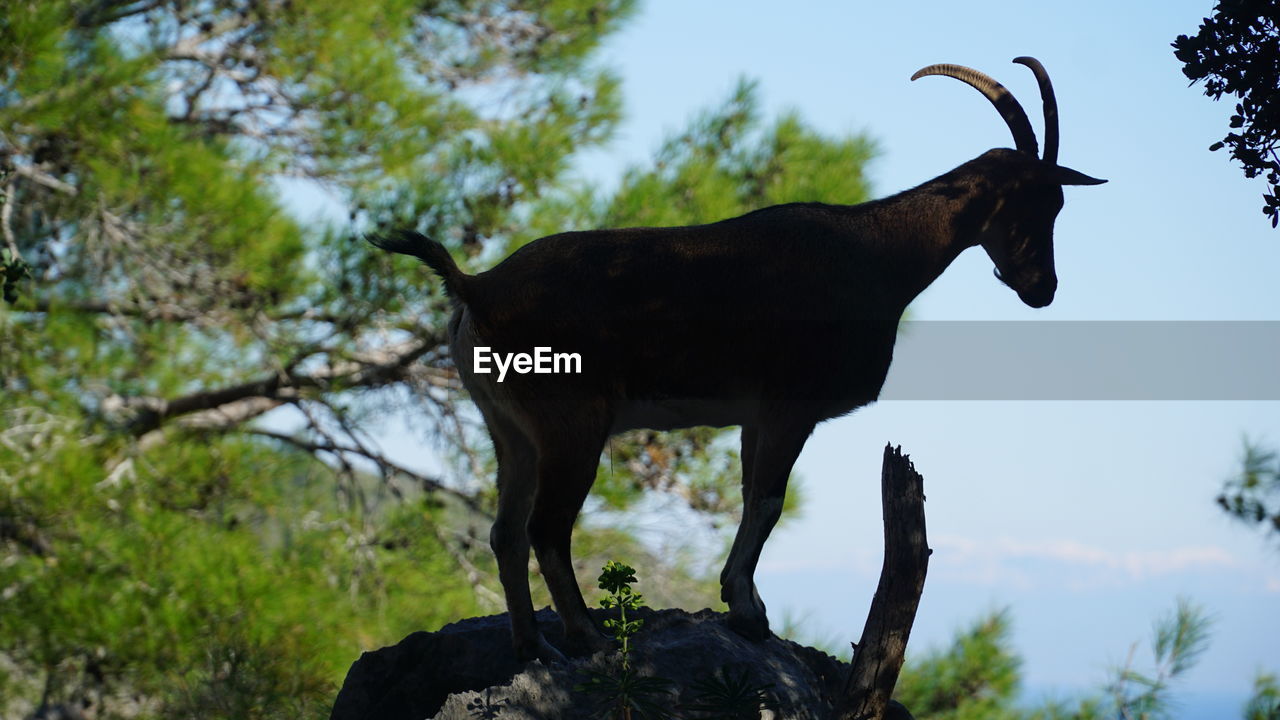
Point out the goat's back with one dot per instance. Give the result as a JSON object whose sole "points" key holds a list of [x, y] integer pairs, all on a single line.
{"points": [[679, 312]]}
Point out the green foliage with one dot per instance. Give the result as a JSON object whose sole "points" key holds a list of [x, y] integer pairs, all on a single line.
{"points": [[975, 677], [1265, 703], [1253, 496], [723, 165], [616, 579], [13, 270], [195, 515], [629, 694], [161, 553], [727, 694], [678, 573], [240, 592], [1179, 640], [1237, 52]]}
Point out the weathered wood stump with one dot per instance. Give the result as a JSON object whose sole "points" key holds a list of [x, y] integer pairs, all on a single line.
{"points": [[879, 655]]}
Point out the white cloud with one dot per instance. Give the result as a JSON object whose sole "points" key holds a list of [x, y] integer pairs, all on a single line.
{"points": [[1024, 564], [1069, 562]]}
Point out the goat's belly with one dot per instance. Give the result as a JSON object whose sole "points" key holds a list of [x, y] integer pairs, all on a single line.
{"points": [[675, 413]]}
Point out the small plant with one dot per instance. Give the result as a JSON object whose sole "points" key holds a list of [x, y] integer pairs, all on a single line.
{"points": [[628, 692], [616, 580], [725, 694], [730, 695]]}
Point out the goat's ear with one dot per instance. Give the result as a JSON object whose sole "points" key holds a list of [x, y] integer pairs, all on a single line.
{"points": [[1067, 176]]}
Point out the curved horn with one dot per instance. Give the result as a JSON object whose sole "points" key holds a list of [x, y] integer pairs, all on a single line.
{"points": [[1050, 107], [1014, 116]]}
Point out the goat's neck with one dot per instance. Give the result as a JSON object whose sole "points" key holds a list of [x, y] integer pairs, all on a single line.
{"points": [[924, 229]]}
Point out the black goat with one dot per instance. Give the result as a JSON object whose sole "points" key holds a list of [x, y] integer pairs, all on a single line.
{"points": [[775, 321]]}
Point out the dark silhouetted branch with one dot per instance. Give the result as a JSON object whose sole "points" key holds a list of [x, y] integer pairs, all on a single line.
{"points": [[879, 655]]}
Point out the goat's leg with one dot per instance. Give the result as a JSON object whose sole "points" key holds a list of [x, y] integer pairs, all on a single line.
{"points": [[777, 446], [565, 475], [517, 478], [747, 459]]}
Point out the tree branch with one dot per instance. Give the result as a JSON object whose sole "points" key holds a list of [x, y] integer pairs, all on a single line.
{"points": [[43, 178], [880, 654], [6, 219], [332, 447], [372, 370], [106, 12], [162, 311], [474, 575]]}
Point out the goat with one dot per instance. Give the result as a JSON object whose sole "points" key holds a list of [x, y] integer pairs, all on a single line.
{"points": [[775, 321]]}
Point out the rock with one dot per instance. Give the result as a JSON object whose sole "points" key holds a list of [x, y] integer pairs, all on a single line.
{"points": [[466, 670]]}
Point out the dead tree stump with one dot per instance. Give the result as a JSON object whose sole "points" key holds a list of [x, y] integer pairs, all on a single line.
{"points": [[879, 655]]}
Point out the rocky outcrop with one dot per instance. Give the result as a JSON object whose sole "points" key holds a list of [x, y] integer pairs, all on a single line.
{"points": [[467, 670]]}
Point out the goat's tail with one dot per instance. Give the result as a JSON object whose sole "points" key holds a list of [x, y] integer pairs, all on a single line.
{"points": [[409, 242]]}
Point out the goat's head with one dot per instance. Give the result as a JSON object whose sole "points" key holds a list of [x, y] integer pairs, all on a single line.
{"points": [[1026, 189]]}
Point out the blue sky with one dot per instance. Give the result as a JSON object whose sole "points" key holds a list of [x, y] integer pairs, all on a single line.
{"points": [[1085, 519]]}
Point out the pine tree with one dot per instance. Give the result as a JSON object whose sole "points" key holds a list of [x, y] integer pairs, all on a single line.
{"points": [[196, 517]]}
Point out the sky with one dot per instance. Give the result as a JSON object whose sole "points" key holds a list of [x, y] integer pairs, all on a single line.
{"points": [[1086, 519]]}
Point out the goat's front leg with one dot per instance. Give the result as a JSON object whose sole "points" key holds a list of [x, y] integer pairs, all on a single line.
{"points": [[565, 474], [768, 453]]}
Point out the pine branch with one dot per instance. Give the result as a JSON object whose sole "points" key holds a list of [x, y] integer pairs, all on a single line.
{"points": [[372, 370]]}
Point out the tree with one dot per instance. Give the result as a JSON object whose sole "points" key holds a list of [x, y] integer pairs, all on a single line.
{"points": [[196, 516], [1237, 52], [1253, 495], [978, 675], [1265, 703]]}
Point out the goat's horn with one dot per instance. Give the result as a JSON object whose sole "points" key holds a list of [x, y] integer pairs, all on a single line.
{"points": [[1014, 116], [1050, 107]]}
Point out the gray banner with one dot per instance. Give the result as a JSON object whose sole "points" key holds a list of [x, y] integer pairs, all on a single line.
{"points": [[1086, 360]]}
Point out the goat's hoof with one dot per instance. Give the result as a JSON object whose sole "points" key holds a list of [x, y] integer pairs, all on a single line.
{"points": [[548, 653], [753, 626], [586, 644], [540, 650]]}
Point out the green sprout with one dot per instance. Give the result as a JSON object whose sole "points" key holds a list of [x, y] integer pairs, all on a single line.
{"points": [[616, 580], [628, 692]]}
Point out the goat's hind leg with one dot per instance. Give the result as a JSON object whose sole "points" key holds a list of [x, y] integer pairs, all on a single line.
{"points": [[517, 482], [566, 469]]}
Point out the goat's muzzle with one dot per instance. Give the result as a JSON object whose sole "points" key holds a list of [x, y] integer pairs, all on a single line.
{"points": [[1035, 294], [1037, 298]]}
